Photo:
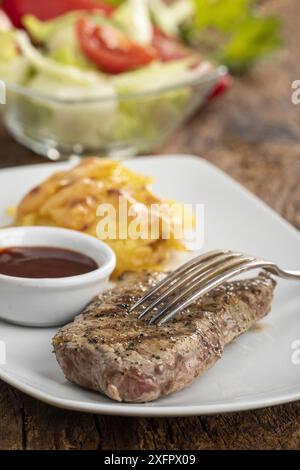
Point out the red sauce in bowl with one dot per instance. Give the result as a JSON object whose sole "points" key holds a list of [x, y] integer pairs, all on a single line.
{"points": [[38, 262]]}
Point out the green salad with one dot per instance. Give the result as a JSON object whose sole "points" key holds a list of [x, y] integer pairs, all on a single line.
{"points": [[92, 71]]}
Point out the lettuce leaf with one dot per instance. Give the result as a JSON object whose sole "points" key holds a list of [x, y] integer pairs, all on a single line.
{"points": [[169, 17], [51, 67], [8, 49], [69, 55], [234, 32], [158, 74], [221, 14], [15, 71], [133, 17], [13, 67], [63, 48], [43, 31], [255, 38], [115, 3], [60, 39]]}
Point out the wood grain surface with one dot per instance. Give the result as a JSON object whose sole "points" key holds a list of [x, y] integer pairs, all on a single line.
{"points": [[253, 133]]}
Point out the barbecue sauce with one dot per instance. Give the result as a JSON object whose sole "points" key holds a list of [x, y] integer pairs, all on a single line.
{"points": [[39, 262]]}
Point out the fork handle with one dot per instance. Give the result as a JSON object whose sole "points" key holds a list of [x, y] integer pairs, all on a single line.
{"points": [[283, 273]]}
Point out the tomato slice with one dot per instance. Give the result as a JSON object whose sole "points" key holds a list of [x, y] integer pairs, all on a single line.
{"points": [[110, 49], [48, 9], [168, 48]]}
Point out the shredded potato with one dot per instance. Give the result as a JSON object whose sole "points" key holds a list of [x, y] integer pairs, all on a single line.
{"points": [[70, 199]]}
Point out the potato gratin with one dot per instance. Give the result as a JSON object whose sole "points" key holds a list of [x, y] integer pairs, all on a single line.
{"points": [[71, 199]]}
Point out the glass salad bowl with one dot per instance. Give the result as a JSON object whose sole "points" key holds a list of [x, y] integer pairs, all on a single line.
{"points": [[110, 124]]}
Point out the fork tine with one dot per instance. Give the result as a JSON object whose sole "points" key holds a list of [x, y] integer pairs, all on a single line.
{"points": [[199, 270], [187, 266], [212, 284], [198, 284]]}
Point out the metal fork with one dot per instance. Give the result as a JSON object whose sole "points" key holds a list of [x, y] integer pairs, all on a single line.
{"points": [[197, 277]]}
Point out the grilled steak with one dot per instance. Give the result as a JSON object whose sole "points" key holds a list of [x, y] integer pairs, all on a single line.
{"points": [[108, 350]]}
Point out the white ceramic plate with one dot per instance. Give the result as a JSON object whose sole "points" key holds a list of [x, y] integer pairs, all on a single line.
{"points": [[256, 370]]}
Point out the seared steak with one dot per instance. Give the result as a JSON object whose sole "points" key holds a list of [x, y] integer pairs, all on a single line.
{"points": [[108, 350]]}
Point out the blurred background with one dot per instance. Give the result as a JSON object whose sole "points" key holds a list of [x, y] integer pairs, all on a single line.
{"points": [[122, 77]]}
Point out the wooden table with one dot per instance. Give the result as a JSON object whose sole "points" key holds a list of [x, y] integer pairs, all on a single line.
{"points": [[253, 134]]}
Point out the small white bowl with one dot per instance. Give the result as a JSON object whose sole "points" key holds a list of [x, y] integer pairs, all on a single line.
{"points": [[52, 302]]}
